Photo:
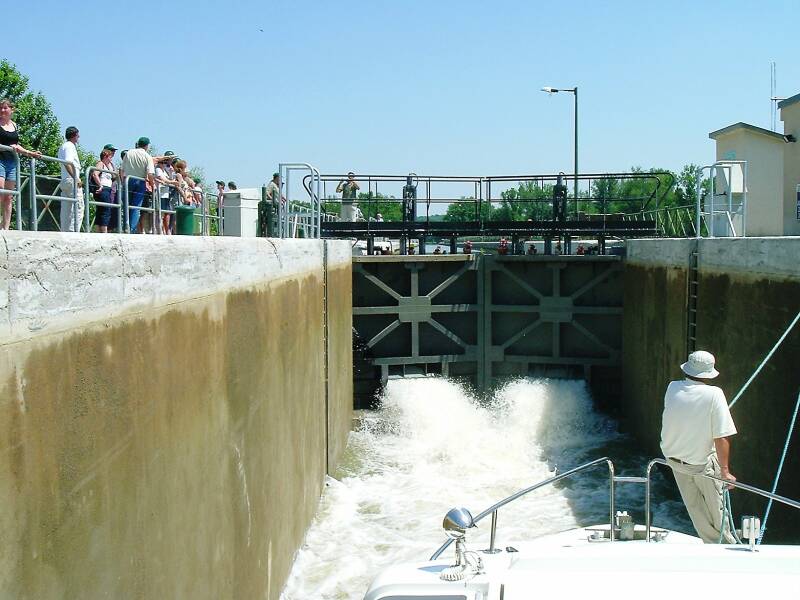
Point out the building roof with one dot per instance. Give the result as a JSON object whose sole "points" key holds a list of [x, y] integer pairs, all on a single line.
{"points": [[740, 125], [789, 101]]}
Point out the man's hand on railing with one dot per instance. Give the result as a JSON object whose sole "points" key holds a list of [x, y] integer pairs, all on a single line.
{"points": [[728, 476]]}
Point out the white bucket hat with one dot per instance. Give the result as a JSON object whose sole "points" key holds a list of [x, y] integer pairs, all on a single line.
{"points": [[700, 365]]}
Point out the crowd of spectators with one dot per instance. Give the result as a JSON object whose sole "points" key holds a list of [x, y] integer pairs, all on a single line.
{"points": [[164, 179]]}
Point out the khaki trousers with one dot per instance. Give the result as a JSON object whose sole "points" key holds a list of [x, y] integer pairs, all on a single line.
{"points": [[348, 213], [71, 212], [703, 499]]}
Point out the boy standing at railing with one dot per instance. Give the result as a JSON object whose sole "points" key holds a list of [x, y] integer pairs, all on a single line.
{"points": [[71, 212]]}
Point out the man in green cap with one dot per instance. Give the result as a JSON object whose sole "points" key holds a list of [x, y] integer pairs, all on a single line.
{"points": [[274, 190]]}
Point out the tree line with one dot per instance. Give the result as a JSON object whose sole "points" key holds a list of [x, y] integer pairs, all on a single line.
{"points": [[643, 190]]}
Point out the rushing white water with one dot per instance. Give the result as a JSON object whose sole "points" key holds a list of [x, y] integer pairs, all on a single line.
{"points": [[432, 446]]}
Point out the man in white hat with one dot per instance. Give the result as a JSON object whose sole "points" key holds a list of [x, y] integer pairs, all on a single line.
{"points": [[694, 437]]}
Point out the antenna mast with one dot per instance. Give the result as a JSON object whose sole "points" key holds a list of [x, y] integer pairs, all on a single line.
{"points": [[773, 101]]}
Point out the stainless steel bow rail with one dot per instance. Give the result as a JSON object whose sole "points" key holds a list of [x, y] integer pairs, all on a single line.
{"points": [[492, 510], [733, 484], [613, 480]]}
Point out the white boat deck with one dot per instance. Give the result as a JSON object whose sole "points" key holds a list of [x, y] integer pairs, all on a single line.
{"points": [[568, 565]]}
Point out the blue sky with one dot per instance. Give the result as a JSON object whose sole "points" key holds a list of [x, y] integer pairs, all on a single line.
{"points": [[435, 87]]}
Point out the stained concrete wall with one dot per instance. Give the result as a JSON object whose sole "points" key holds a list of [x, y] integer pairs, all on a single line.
{"points": [[748, 293], [163, 411]]}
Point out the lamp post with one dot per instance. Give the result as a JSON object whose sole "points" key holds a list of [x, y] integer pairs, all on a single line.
{"points": [[552, 90]]}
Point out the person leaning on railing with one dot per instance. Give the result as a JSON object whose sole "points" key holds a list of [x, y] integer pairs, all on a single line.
{"points": [[139, 164], [185, 183], [9, 136], [101, 186], [71, 213], [165, 177], [695, 428]]}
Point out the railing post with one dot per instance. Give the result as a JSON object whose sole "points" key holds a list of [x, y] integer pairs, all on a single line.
{"points": [[647, 504], [697, 215], [611, 499], [18, 194], [86, 220], [34, 208], [127, 211], [157, 226], [493, 536]]}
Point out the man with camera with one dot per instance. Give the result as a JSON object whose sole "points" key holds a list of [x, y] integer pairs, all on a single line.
{"points": [[349, 192]]}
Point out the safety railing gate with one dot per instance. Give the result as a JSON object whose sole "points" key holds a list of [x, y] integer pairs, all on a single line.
{"points": [[292, 214], [733, 174]]}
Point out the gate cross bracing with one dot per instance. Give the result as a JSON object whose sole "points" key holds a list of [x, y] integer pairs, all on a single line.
{"points": [[486, 316]]}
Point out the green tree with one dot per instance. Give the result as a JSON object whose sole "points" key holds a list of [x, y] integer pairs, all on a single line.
{"points": [[652, 189], [529, 200], [38, 126], [465, 211], [370, 204], [686, 186]]}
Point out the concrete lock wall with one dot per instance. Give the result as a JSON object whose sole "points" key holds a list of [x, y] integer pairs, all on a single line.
{"points": [[748, 294], [165, 417]]}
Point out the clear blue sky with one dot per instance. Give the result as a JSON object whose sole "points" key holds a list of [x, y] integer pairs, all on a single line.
{"points": [[447, 87]]}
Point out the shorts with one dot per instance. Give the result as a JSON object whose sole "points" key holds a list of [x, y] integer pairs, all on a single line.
{"points": [[165, 205], [8, 167]]}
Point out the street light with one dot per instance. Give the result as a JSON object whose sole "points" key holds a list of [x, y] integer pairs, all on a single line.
{"points": [[552, 90]]}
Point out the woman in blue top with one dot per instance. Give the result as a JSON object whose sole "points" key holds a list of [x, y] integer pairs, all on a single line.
{"points": [[9, 136]]}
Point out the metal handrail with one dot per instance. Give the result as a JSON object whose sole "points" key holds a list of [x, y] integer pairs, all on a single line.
{"points": [[34, 196], [495, 507], [734, 484], [18, 191], [492, 510], [211, 200], [284, 216]]}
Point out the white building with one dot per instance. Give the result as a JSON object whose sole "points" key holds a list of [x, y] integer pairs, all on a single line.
{"points": [[773, 170]]}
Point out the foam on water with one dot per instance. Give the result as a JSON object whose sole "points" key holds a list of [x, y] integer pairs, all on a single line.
{"points": [[432, 446]]}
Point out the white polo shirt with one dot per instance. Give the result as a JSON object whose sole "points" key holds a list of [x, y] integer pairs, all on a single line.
{"points": [[69, 153], [695, 414]]}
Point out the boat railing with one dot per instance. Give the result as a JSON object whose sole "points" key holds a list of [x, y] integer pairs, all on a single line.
{"points": [[613, 480], [733, 484], [492, 510]]}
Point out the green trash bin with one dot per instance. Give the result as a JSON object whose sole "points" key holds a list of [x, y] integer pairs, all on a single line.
{"points": [[184, 220]]}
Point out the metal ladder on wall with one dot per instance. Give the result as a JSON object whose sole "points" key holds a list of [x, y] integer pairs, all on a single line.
{"points": [[691, 300]]}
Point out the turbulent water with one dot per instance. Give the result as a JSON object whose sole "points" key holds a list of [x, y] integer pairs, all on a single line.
{"points": [[431, 446]]}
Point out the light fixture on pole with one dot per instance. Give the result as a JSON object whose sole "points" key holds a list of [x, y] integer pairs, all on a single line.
{"points": [[552, 90]]}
